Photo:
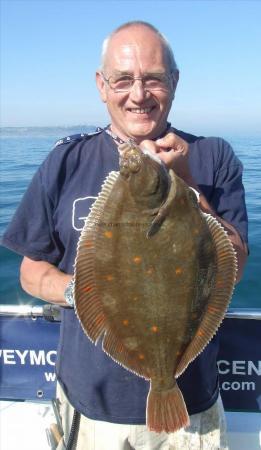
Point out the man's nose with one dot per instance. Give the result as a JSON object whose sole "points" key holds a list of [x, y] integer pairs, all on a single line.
{"points": [[138, 93]]}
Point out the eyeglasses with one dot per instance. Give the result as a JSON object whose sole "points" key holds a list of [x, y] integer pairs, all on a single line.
{"points": [[150, 82]]}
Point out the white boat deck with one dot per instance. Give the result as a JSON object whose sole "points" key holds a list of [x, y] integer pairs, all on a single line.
{"points": [[24, 424]]}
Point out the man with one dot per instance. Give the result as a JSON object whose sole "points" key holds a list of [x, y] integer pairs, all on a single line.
{"points": [[137, 81]]}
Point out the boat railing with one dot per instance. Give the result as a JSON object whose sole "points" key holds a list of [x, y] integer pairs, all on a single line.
{"points": [[49, 311], [52, 312]]}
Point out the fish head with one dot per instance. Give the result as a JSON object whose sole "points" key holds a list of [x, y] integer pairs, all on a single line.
{"points": [[147, 176]]}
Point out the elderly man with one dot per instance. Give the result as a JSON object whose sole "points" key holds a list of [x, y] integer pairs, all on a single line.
{"points": [[137, 81]]}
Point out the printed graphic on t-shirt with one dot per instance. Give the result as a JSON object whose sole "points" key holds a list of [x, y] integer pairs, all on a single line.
{"points": [[81, 208]]}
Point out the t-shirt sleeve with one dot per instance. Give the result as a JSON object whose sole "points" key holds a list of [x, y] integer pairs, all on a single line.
{"points": [[229, 194], [31, 232]]}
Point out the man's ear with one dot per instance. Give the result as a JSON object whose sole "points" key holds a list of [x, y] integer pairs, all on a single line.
{"points": [[175, 79], [101, 85]]}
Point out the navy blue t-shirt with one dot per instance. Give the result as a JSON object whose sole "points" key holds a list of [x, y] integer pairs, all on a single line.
{"points": [[47, 226]]}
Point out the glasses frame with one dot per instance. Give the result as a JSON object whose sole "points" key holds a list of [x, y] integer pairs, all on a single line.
{"points": [[168, 79]]}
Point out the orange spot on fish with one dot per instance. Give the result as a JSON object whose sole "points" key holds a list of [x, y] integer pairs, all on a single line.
{"points": [[108, 234], [109, 277], [99, 319], [135, 298], [141, 356], [178, 353], [89, 244], [150, 271], [212, 309], [125, 322], [200, 333], [137, 259], [88, 289], [155, 329], [178, 271]]}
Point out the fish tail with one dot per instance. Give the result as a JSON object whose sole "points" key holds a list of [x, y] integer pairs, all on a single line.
{"points": [[166, 410]]}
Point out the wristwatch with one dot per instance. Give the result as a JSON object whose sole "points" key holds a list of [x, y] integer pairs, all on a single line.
{"points": [[69, 293]]}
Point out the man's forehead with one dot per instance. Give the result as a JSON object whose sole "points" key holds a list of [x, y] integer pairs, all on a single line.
{"points": [[127, 47], [135, 36]]}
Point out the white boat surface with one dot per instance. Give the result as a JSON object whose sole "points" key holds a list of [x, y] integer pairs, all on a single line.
{"points": [[24, 426]]}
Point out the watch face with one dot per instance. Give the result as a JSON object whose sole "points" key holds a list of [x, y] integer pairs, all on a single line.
{"points": [[68, 293]]}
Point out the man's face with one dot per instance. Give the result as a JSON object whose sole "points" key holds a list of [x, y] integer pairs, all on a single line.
{"points": [[138, 113]]}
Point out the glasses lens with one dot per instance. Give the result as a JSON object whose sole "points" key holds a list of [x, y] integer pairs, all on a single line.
{"points": [[120, 84], [156, 82]]}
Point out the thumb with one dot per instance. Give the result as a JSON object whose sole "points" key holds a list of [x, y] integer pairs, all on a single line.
{"points": [[167, 141]]}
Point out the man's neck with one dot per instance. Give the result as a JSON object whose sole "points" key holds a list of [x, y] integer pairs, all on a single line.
{"points": [[120, 138]]}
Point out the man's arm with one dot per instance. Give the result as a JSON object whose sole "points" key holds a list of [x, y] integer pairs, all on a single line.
{"points": [[174, 152], [43, 280]]}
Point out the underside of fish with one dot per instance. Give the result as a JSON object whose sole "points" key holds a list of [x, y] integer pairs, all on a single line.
{"points": [[153, 278]]}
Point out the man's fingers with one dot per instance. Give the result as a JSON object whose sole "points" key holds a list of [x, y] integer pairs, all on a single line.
{"points": [[149, 145], [167, 141], [172, 142]]}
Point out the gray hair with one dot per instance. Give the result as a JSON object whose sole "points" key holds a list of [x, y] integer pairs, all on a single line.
{"points": [[170, 55]]}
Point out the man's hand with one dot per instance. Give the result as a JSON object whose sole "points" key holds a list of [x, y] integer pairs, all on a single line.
{"points": [[174, 152]]}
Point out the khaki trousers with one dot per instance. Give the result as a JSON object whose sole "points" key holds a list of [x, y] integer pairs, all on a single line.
{"points": [[207, 431]]}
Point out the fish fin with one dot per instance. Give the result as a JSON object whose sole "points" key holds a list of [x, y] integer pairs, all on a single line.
{"points": [[155, 225], [220, 295], [118, 352], [90, 314], [88, 305], [166, 410], [164, 208]]}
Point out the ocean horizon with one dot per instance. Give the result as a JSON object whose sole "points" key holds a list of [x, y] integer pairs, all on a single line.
{"points": [[24, 148]]}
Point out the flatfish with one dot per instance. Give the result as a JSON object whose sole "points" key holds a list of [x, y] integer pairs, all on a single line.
{"points": [[153, 278]]}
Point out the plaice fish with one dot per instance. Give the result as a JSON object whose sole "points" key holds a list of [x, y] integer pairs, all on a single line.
{"points": [[153, 278]]}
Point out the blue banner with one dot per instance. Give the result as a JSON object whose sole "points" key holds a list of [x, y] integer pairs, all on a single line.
{"points": [[28, 354], [27, 358], [239, 364]]}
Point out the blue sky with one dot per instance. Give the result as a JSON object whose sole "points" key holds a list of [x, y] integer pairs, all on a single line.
{"points": [[50, 50]]}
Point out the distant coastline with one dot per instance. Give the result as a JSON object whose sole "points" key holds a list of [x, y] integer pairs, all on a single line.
{"points": [[60, 131], [8, 132]]}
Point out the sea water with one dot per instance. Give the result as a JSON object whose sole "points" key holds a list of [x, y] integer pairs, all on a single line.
{"points": [[23, 150]]}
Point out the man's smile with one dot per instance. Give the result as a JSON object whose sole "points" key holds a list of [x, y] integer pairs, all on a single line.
{"points": [[140, 110]]}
